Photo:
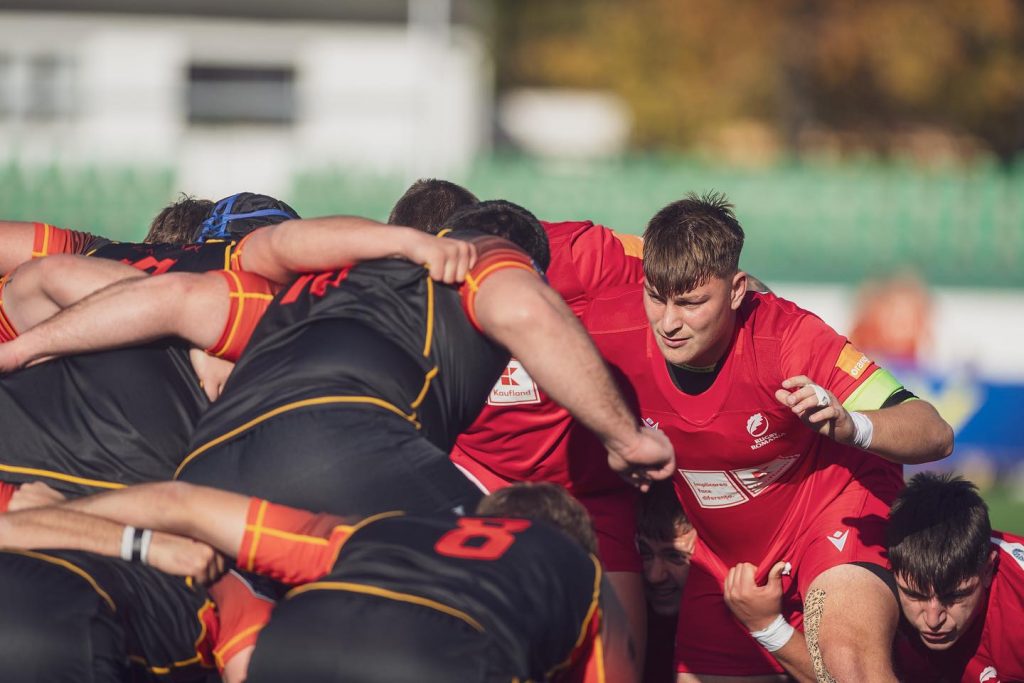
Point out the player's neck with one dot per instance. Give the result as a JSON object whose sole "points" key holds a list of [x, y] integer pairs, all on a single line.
{"points": [[693, 380]]}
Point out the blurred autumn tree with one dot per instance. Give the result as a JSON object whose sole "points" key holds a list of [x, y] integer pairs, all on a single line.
{"points": [[867, 71]]}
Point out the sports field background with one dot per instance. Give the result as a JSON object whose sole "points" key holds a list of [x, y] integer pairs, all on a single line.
{"points": [[806, 222]]}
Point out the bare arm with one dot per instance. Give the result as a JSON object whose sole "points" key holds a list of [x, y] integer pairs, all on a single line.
{"points": [[57, 527], [210, 515], [529, 318], [909, 433], [41, 288], [194, 307], [16, 238], [319, 244]]}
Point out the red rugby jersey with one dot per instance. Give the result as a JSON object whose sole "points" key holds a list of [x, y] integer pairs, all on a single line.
{"points": [[992, 651], [749, 471], [521, 434]]}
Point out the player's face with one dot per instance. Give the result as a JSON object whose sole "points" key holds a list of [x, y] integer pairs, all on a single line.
{"points": [[695, 327], [666, 566], [940, 620]]}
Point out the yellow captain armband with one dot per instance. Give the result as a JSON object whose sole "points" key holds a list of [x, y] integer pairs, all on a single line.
{"points": [[878, 391]]}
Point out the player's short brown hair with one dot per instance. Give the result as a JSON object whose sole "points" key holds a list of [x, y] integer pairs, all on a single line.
{"points": [[542, 501], [659, 514], [429, 203], [939, 533], [691, 241], [177, 223]]}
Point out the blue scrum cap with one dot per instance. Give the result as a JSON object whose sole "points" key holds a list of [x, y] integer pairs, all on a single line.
{"points": [[236, 216]]}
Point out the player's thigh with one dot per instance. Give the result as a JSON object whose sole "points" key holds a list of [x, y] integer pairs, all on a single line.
{"points": [[850, 618]]}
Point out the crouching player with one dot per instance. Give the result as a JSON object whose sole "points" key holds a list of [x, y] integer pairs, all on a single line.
{"points": [[505, 595], [960, 588]]}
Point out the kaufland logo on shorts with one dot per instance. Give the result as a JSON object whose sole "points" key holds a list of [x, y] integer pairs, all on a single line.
{"points": [[514, 386]]}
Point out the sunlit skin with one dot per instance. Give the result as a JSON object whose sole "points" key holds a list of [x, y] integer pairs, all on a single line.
{"points": [[666, 566], [694, 328], [940, 620]]}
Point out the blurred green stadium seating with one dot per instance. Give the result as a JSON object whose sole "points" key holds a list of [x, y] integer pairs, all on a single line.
{"points": [[805, 222]]}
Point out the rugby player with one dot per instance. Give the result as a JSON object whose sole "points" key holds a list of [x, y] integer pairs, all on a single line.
{"points": [[103, 421], [665, 540], [500, 596], [779, 424], [960, 585]]}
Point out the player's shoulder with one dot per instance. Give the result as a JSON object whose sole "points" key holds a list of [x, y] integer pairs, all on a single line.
{"points": [[561, 231], [1011, 556], [616, 309], [769, 315]]}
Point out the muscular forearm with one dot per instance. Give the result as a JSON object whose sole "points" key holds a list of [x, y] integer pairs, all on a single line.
{"points": [[795, 659], [319, 244], [214, 517], [53, 527], [910, 433], [193, 307], [41, 288]]}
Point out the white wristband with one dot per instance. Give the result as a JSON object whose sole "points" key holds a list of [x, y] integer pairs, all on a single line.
{"points": [[774, 636], [127, 539], [863, 430], [147, 538]]}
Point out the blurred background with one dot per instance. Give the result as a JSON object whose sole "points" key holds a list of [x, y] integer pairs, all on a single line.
{"points": [[874, 149]]}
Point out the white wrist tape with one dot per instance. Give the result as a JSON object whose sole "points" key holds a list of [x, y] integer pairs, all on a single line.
{"points": [[774, 636], [127, 539], [147, 538], [863, 430]]}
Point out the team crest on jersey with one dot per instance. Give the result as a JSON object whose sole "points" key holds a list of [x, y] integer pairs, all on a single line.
{"points": [[757, 425], [989, 675], [514, 386], [648, 422]]}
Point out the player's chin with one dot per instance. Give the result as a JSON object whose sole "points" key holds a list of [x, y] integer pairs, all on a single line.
{"points": [[939, 642]]}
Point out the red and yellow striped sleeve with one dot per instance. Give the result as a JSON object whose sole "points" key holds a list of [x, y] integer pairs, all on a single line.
{"points": [[493, 256], [7, 331], [289, 545], [250, 296], [242, 614], [51, 240], [235, 261]]}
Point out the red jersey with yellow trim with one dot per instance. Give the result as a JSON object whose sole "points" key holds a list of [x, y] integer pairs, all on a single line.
{"points": [[992, 651], [381, 333], [50, 240], [750, 473], [521, 434], [522, 584]]}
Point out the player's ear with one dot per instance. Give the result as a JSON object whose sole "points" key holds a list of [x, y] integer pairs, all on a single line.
{"points": [[738, 289], [989, 571]]}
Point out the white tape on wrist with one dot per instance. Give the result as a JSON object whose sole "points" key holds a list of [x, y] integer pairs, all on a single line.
{"points": [[774, 636], [821, 395], [127, 540], [147, 539], [863, 430]]}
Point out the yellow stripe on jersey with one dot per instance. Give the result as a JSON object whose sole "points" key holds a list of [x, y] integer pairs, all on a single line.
{"points": [[75, 569], [98, 483], [387, 595], [873, 392]]}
